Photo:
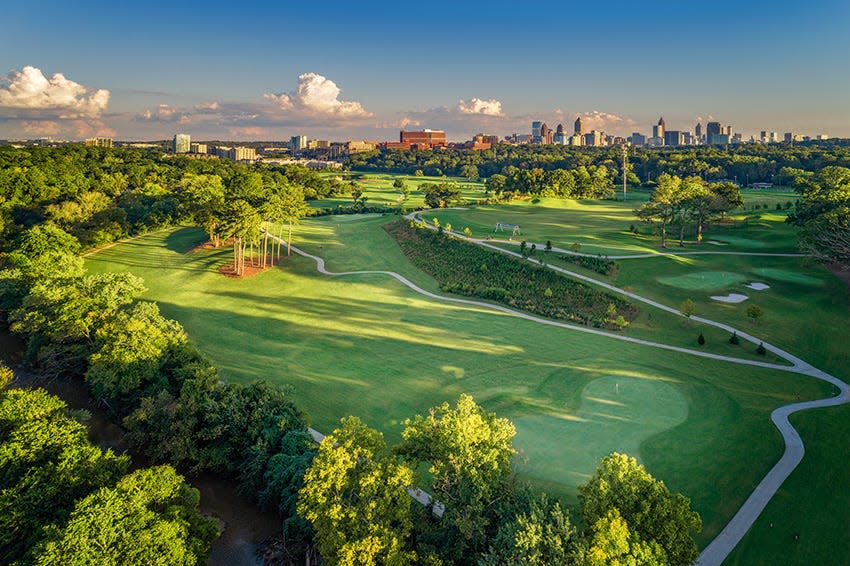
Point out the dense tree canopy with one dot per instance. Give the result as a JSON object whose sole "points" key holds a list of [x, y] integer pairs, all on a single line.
{"points": [[150, 517], [824, 215], [645, 507]]}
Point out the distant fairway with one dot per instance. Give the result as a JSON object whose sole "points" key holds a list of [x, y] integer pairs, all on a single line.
{"points": [[368, 346]]}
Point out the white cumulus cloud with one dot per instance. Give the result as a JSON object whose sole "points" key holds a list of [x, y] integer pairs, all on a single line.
{"points": [[30, 91], [491, 107], [318, 95]]}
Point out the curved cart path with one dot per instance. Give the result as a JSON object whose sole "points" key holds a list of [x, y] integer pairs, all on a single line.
{"points": [[720, 548]]}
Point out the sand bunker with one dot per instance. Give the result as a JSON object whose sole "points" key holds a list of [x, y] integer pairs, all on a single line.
{"points": [[757, 286], [730, 298]]}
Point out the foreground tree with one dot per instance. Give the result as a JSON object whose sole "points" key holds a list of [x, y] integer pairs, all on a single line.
{"points": [[150, 517], [647, 507], [468, 451], [355, 496], [533, 532]]}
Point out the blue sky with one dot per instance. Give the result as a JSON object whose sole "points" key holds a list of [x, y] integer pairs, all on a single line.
{"points": [[220, 69]]}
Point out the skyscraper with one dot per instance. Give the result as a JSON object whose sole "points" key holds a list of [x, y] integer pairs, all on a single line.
{"points": [[579, 128], [658, 130], [545, 134], [698, 132], [713, 131], [535, 132], [560, 137], [297, 144], [181, 143]]}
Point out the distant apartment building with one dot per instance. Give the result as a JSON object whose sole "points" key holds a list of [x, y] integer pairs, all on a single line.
{"points": [[297, 144], [637, 139], [182, 143], [99, 142], [235, 153], [674, 138], [423, 139], [198, 147]]}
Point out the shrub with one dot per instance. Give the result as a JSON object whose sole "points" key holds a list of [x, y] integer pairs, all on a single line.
{"points": [[687, 308], [734, 340], [761, 349], [701, 339], [754, 312], [467, 269], [599, 264]]}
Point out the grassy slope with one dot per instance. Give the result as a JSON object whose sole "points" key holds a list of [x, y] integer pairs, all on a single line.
{"points": [[804, 309], [366, 345]]}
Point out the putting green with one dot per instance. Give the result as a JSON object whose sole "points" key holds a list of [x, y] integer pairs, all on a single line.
{"points": [[703, 280], [617, 413], [788, 276]]}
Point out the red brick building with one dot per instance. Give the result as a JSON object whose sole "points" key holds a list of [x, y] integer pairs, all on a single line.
{"points": [[424, 138]]}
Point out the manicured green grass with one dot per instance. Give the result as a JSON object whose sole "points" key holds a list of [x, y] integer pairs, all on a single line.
{"points": [[803, 308], [797, 528], [367, 345], [604, 227], [378, 188]]}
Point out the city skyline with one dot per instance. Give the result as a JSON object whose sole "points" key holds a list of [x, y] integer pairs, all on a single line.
{"points": [[274, 73]]}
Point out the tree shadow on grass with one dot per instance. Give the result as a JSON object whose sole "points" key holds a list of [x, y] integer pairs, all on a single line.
{"points": [[184, 239]]}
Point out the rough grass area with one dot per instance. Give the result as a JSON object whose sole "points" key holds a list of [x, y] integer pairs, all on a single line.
{"points": [[467, 269]]}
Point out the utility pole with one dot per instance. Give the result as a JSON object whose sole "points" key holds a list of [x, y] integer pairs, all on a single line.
{"points": [[625, 168]]}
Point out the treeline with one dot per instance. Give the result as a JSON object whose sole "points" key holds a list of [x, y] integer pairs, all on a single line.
{"points": [[580, 183], [823, 214], [682, 203], [467, 269], [61, 497], [748, 163], [102, 195], [355, 495]]}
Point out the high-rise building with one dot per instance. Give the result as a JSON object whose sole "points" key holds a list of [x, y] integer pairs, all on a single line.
{"points": [[297, 144], [198, 147], [579, 128], [560, 137], [658, 130], [674, 138], [712, 132], [99, 142], [698, 132], [545, 134], [637, 139], [593, 138], [182, 143], [535, 132]]}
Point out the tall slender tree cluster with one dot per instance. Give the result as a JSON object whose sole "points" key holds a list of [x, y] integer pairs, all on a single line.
{"points": [[687, 203]]}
